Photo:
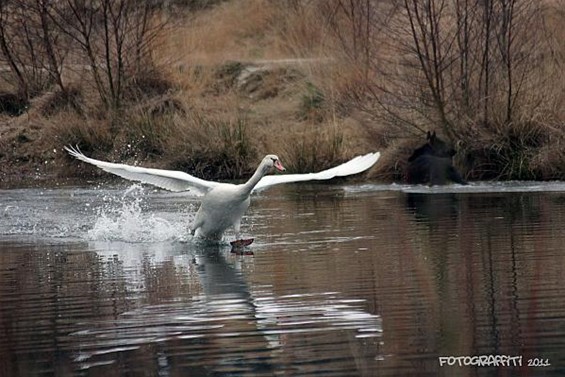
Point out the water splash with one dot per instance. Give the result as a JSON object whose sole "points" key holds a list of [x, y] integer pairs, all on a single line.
{"points": [[136, 214], [127, 218]]}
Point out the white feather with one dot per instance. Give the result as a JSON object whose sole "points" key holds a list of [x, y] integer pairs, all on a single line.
{"points": [[354, 166], [167, 179]]}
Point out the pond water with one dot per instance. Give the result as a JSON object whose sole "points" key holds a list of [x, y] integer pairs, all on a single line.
{"points": [[345, 280]]}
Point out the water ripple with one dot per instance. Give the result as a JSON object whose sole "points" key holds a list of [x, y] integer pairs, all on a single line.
{"points": [[267, 323]]}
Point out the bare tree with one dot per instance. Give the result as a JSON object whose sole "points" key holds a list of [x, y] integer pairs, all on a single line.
{"points": [[456, 63], [8, 49], [431, 46], [55, 51], [114, 37], [30, 46], [352, 22]]}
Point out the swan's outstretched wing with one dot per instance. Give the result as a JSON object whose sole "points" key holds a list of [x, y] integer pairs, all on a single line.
{"points": [[354, 166], [167, 179]]}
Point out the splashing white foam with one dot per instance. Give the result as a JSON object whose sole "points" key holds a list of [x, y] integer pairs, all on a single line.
{"points": [[127, 219]]}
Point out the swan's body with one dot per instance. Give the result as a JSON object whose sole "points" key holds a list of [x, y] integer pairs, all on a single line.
{"points": [[224, 204]]}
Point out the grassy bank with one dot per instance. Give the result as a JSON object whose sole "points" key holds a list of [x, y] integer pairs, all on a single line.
{"points": [[211, 89]]}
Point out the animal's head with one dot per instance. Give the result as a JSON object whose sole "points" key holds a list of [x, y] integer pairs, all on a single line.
{"points": [[434, 147], [439, 148], [272, 161]]}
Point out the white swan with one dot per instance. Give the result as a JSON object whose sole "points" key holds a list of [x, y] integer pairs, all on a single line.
{"points": [[224, 204]]}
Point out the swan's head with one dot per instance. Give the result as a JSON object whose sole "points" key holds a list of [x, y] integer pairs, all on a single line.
{"points": [[272, 161]]}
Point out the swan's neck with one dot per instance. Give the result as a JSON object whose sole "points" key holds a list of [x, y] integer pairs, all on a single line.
{"points": [[255, 178]]}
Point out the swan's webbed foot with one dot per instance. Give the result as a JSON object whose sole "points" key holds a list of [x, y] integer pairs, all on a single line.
{"points": [[238, 246]]}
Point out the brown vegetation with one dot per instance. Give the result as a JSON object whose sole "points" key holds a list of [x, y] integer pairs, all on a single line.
{"points": [[210, 86]]}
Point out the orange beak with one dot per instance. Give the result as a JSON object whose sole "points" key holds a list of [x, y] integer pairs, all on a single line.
{"points": [[279, 166]]}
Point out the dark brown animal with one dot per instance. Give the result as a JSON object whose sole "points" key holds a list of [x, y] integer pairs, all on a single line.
{"points": [[432, 163]]}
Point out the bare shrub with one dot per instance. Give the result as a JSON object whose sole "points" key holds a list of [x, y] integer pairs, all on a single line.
{"points": [[114, 38], [30, 47]]}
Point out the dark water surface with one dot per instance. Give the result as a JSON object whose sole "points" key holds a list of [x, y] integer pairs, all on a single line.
{"points": [[345, 280]]}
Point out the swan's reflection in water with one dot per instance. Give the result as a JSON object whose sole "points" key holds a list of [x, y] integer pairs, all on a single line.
{"points": [[224, 325]]}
